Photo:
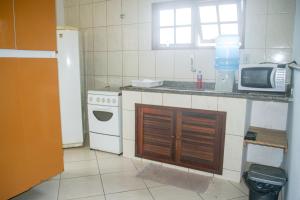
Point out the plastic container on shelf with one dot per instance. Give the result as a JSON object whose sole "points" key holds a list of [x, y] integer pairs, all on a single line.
{"points": [[227, 53]]}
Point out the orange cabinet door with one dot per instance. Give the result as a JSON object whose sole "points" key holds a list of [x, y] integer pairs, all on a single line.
{"points": [[7, 32], [35, 24], [30, 145]]}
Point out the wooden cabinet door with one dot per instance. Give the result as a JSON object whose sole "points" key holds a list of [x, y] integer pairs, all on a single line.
{"points": [[7, 32], [30, 145], [200, 139], [155, 133], [35, 24]]}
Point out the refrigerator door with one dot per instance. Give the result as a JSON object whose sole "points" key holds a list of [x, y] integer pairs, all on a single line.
{"points": [[69, 87]]}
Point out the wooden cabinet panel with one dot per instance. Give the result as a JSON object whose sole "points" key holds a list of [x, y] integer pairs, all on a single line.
{"points": [[30, 145], [158, 138], [200, 139], [7, 32], [35, 24], [198, 136]]}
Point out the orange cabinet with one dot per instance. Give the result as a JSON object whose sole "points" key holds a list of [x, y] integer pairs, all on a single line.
{"points": [[7, 32], [30, 145], [35, 24]]}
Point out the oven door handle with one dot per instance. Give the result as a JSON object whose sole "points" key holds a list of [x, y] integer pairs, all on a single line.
{"points": [[273, 77]]}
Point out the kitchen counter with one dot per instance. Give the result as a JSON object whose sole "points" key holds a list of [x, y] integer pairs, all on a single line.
{"points": [[176, 87]]}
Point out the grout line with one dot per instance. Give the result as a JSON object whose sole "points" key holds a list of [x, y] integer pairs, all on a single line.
{"points": [[58, 186], [100, 176], [237, 188]]}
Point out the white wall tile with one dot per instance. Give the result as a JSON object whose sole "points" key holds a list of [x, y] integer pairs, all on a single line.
{"points": [[99, 14], [128, 148], [130, 62], [128, 124], [257, 6], [115, 67], [100, 81], [256, 23], [204, 102], [145, 11], [177, 100], [272, 115], [152, 98], [233, 176], [282, 6], [128, 79], [129, 98], [100, 63], [70, 3], [87, 39], [280, 31], [81, 2], [165, 64], [86, 15], [145, 36], [236, 114], [204, 60], [130, 11], [90, 82], [279, 55], [182, 64], [147, 64], [114, 35], [252, 56], [113, 12], [130, 37], [72, 16], [233, 152], [114, 81], [265, 155], [89, 63], [100, 39]]}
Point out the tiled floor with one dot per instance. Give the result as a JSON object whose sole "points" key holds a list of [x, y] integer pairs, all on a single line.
{"points": [[94, 175]]}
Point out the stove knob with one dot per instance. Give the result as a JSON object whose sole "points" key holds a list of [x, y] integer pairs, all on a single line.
{"points": [[108, 100], [103, 100], [98, 100]]}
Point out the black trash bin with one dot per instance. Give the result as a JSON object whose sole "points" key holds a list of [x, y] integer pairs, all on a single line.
{"points": [[264, 182]]}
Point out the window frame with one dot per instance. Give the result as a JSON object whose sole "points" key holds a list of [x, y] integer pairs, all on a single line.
{"points": [[195, 22]]}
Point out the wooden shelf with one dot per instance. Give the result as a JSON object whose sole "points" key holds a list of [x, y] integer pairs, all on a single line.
{"points": [[269, 137]]}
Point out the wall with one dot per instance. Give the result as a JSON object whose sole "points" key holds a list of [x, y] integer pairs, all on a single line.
{"points": [[293, 161], [117, 51], [60, 15]]}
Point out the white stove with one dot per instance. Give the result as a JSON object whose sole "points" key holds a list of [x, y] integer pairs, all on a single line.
{"points": [[105, 122]]}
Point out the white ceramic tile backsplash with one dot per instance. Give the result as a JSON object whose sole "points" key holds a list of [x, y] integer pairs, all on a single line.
{"points": [[114, 36], [119, 26], [115, 60], [100, 39], [131, 63]]}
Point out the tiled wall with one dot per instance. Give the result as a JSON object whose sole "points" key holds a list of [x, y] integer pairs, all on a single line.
{"points": [[117, 50]]}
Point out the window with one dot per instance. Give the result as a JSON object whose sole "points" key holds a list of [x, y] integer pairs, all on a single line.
{"points": [[192, 24]]}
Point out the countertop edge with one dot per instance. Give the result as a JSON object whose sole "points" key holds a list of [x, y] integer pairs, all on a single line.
{"points": [[215, 94]]}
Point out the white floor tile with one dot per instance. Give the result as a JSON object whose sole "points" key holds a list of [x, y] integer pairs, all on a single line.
{"points": [[241, 186], [80, 187], [119, 164], [221, 190], [241, 198], [131, 195], [173, 193], [45, 191], [80, 169], [121, 182], [93, 198], [78, 154], [104, 155]]}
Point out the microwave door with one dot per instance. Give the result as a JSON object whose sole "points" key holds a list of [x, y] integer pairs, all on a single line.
{"points": [[257, 77], [273, 77]]}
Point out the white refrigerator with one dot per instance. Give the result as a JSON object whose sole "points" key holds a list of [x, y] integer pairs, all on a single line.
{"points": [[68, 57]]}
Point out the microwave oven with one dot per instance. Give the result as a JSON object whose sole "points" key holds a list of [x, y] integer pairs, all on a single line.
{"points": [[264, 77]]}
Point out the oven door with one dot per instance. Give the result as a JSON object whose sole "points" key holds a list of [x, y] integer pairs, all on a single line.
{"points": [[104, 120], [257, 77]]}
